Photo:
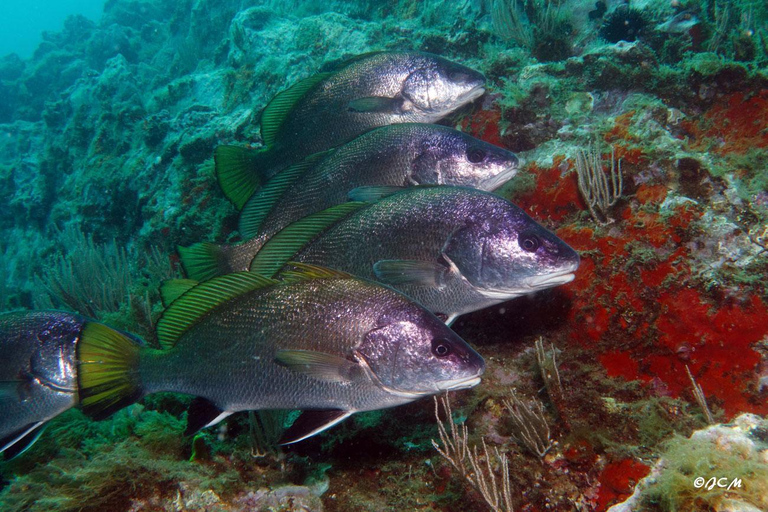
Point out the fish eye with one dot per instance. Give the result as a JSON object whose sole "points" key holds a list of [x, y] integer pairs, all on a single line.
{"points": [[440, 347], [475, 155], [529, 242]]}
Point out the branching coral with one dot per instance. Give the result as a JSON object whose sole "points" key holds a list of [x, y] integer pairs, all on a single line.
{"points": [[476, 468], [599, 192]]}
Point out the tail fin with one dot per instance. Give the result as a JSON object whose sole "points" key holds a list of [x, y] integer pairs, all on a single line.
{"points": [[107, 375], [241, 171], [203, 261]]}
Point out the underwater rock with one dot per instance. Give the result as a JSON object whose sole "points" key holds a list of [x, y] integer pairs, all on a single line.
{"points": [[721, 467], [296, 497]]}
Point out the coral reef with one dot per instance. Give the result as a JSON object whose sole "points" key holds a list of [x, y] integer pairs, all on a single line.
{"points": [[106, 141]]}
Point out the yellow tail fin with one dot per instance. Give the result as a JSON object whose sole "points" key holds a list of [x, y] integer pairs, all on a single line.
{"points": [[107, 374]]}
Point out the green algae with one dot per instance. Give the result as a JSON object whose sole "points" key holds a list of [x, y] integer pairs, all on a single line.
{"points": [[686, 459], [100, 465]]}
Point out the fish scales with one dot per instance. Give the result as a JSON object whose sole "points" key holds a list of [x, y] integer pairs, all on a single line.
{"points": [[398, 155], [229, 357]]}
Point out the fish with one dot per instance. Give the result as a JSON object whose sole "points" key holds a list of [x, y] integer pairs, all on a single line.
{"points": [[397, 155], [452, 249], [394, 156], [37, 374], [320, 341], [331, 108]]}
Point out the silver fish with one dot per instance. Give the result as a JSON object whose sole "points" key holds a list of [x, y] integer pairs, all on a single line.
{"points": [[452, 249], [371, 90], [399, 155], [37, 373], [320, 341]]}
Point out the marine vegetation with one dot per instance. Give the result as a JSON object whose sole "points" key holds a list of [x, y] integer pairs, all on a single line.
{"points": [[123, 138]]}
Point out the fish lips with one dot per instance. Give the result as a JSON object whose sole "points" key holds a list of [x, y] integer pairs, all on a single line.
{"points": [[501, 178], [533, 284], [471, 95], [550, 280], [456, 384]]}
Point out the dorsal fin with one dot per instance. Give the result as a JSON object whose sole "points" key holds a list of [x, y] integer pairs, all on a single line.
{"points": [[304, 271], [188, 309], [238, 171], [172, 289], [261, 203], [340, 64], [203, 260], [277, 110], [281, 248]]}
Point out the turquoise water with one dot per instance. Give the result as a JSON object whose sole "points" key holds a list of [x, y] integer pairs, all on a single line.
{"points": [[108, 129], [26, 21]]}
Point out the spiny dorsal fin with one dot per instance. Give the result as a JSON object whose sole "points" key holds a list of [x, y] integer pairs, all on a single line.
{"points": [[237, 171], [304, 271], [281, 105], [261, 203], [107, 374], [203, 261], [281, 248], [340, 64], [172, 289], [196, 303]]}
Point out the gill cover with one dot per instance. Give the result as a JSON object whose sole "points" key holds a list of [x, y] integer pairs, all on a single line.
{"points": [[416, 354]]}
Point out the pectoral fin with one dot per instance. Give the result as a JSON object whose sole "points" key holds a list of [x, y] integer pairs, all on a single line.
{"points": [[376, 104], [202, 414], [371, 194], [401, 272], [311, 423], [318, 365], [18, 442]]}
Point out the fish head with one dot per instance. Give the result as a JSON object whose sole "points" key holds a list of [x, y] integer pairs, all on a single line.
{"points": [[503, 253], [412, 353], [450, 157], [436, 86]]}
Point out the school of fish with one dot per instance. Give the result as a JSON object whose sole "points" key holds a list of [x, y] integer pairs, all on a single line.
{"points": [[367, 231]]}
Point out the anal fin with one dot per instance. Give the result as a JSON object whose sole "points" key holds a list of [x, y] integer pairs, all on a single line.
{"points": [[202, 414], [313, 422]]}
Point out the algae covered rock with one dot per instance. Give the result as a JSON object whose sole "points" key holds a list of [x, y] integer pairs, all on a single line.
{"points": [[722, 467]]}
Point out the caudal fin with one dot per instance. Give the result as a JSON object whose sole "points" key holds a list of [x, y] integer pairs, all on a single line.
{"points": [[107, 375], [241, 171]]}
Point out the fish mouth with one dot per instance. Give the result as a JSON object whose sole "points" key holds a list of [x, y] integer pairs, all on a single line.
{"points": [[456, 384], [471, 95], [550, 280], [500, 179], [532, 284]]}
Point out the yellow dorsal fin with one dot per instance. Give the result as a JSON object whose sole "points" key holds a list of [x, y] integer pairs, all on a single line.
{"points": [[281, 248], [191, 307], [277, 110]]}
